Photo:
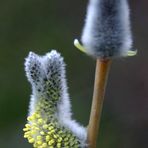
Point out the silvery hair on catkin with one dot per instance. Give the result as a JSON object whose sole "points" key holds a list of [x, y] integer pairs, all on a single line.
{"points": [[106, 32], [47, 77]]}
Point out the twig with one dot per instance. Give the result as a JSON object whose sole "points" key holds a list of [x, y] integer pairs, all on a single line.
{"points": [[102, 69]]}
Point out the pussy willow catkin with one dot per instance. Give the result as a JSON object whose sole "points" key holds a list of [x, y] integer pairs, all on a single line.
{"points": [[49, 122], [107, 32]]}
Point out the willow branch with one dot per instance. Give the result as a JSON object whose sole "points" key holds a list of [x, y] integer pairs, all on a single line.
{"points": [[101, 75]]}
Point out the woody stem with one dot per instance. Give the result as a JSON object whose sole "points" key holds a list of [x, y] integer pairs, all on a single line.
{"points": [[101, 75]]}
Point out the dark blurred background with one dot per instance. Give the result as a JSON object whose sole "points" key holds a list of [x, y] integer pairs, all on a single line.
{"points": [[42, 25]]}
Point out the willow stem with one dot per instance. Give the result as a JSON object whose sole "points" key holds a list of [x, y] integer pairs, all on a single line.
{"points": [[101, 75]]}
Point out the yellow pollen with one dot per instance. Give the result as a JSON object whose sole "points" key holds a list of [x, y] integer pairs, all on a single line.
{"points": [[40, 121], [65, 139], [39, 137], [25, 136], [55, 136], [34, 124], [29, 118], [31, 140], [47, 138], [52, 131], [28, 125], [35, 128], [27, 133], [45, 126], [37, 115], [58, 145], [42, 133], [44, 145], [50, 127], [25, 129], [34, 145], [39, 142], [33, 132], [51, 142], [59, 139]]}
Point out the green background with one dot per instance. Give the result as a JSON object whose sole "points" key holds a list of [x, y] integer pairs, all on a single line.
{"points": [[42, 25]]}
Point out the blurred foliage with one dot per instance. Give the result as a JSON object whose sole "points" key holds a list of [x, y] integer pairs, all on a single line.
{"points": [[41, 25]]}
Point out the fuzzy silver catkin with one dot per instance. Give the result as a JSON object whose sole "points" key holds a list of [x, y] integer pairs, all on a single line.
{"points": [[49, 88], [107, 32]]}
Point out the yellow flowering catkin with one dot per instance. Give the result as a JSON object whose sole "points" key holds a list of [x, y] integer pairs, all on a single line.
{"points": [[43, 133], [49, 122]]}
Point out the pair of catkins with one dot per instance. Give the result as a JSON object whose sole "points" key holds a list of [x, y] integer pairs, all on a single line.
{"points": [[106, 34]]}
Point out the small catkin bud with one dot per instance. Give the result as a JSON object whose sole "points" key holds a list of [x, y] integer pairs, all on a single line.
{"points": [[107, 32]]}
